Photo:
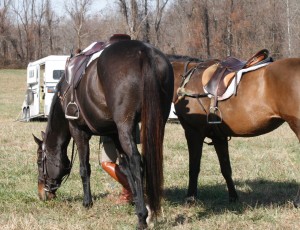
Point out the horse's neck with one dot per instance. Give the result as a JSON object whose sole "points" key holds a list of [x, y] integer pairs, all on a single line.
{"points": [[57, 131]]}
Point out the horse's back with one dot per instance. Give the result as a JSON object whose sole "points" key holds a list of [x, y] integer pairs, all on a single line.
{"points": [[285, 69]]}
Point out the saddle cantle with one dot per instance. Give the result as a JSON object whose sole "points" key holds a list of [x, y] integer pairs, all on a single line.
{"points": [[75, 69]]}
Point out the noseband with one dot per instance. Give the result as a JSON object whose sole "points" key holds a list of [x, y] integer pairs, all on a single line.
{"points": [[48, 186]]}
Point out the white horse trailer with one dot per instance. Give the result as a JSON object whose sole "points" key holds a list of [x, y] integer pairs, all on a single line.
{"points": [[42, 77]]}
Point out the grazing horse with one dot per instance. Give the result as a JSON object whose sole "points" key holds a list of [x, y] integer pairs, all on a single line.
{"points": [[130, 82], [265, 98]]}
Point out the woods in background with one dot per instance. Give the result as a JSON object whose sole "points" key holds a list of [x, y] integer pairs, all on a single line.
{"points": [[32, 29]]}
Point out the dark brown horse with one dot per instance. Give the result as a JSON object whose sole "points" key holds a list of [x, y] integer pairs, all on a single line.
{"points": [[130, 82], [265, 99]]}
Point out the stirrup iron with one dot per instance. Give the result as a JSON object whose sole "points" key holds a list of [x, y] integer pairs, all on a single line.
{"points": [[216, 116], [76, 111]]}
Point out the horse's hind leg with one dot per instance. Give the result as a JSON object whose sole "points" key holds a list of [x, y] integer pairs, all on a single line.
{"points": [[221, 147], [133, 171]]}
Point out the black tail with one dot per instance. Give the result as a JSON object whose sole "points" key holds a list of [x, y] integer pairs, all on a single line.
{"points": [[153, 123]]}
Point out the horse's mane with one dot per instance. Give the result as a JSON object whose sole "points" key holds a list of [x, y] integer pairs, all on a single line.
{"points": [[175, 57]]}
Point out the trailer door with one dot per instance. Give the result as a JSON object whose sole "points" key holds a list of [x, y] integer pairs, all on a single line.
{"points": [[33, 81]]}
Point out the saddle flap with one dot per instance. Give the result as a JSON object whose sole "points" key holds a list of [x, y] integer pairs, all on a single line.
{"points": [[208, 73], [216, 86], [75, 67]]}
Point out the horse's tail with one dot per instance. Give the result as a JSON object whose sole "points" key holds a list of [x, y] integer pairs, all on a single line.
{"points": [[152, 129]]}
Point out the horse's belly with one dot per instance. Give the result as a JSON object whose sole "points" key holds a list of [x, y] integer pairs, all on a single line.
{"points": [[249, 127]]}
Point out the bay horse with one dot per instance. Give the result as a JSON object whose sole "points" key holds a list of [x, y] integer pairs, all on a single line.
{"points": [[130, 82], [264, 100]]}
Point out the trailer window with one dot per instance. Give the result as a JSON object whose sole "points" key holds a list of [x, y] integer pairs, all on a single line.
{"points": [[31, 73], [57, 74]]}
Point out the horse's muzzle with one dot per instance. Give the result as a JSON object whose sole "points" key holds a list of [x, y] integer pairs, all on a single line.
{"points": [[44, 194]]}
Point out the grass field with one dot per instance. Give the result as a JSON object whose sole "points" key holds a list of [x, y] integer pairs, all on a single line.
{"points": [[265, 169]]}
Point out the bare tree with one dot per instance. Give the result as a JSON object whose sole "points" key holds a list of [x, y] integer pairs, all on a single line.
{"points": [[137, 17], [30, 29], [50, 20], [229, 37], [206, 30], [160, 6], [39, 16], [130, 12], [4, 29], [24, 11], [146, 32], [78, 11]]}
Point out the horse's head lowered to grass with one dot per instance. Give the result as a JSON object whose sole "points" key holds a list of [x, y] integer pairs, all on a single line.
{"points": [[51, 169]]}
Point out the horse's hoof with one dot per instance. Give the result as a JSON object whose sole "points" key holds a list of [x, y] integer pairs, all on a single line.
{"points": [[150, 216], [87, 204], [191, 200], [297, 202], [142, 226]]}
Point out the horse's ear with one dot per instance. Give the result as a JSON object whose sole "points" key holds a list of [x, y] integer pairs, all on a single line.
{"points": [[37, 140], [43, 135]]}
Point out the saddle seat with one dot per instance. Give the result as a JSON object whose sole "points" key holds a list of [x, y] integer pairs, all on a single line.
{"points": [[216, 78]]}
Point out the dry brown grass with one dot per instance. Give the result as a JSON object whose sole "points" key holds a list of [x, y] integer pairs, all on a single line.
{"points": [[266, 171]]}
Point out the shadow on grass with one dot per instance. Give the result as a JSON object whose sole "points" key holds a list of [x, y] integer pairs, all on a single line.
{"points": [[252, 194], [213, 199]]}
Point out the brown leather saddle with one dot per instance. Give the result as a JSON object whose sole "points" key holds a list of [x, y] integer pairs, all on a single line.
{"points": [[75, 69], [217, 78]]}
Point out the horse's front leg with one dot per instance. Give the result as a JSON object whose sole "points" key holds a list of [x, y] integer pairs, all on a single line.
{"points": [[195, 144], [221, 147], [82, 141]]}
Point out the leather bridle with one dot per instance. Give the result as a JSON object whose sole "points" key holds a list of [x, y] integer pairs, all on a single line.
{"points": [[51, 185]]}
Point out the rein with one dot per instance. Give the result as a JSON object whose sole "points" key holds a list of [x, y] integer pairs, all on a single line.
{"points": [[65, 178]]}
